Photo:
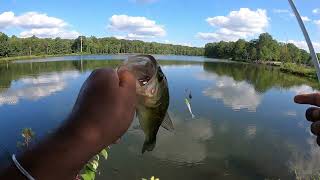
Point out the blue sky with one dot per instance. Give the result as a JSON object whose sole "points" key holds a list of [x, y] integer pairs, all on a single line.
{"points": [[187, 22]]}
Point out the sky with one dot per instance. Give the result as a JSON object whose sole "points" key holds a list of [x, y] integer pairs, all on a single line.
{"points": [[185, 22]]}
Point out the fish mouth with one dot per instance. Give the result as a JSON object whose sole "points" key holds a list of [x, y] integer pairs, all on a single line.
{"points": [[142, 66], [144, 80]]}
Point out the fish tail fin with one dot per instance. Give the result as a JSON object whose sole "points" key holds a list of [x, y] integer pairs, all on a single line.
{"points": [[192, 116], [148, 145]]}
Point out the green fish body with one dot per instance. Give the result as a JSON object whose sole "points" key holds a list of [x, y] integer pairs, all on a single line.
{"points": [[153, 97], [151, 116]]}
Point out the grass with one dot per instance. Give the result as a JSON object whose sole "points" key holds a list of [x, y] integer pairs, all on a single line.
{"points": [[299, 70], [7, 59], [291, 68]]}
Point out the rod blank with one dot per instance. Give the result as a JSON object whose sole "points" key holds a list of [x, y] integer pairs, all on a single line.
{"points": [[307, 37]]}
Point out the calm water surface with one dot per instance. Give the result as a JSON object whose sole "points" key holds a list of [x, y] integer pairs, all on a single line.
{"points": [[246, 125]]}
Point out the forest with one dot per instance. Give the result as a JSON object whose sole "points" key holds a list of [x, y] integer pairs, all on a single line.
{"points": [[265, 48], [33, 46]]}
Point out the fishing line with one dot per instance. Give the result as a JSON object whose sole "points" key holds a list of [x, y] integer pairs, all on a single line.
{"points": [[307, 37]]}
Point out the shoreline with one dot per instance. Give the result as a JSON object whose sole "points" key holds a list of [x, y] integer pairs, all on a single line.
{"points": [[22, 58], [15, 58], [290, 68], [287, 67], [299, 70]]}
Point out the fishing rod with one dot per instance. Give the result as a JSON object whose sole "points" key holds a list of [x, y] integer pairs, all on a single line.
{"points": [[307, 37]]}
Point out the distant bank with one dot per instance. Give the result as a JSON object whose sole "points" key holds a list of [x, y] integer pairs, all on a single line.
{"points": [[265, 50], [292, 68], [33, 47]]}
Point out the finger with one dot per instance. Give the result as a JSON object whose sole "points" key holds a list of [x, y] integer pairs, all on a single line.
{"points": [[106, 76], [313, 114], [126, 79], [313, 99], [127, 83], [315, 128]]}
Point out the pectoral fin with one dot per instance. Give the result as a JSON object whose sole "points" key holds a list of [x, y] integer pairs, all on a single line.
{"points": [[167, 123]]}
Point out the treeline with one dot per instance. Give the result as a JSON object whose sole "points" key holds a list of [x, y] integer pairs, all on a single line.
{"points": [[262, 78], [15, 46], [265, 48]]}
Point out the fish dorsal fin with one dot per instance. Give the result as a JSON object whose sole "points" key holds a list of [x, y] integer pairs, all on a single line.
{"points": [[167, 123]]}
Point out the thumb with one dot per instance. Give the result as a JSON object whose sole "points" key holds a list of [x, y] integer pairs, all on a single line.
{"points": [[127, 80], [127, 85]]}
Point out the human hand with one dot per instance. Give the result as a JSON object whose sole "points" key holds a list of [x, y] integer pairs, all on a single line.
{"points": [[312, 113], [102, 113], [105, 106]]}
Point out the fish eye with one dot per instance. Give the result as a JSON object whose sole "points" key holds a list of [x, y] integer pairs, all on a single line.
{"points": [[160, 75]]}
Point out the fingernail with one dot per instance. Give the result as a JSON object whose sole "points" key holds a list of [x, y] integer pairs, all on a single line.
{"points": [[297, 99]]}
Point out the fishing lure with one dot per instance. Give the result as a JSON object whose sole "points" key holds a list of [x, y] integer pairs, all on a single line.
{"points": [[189, 107]]}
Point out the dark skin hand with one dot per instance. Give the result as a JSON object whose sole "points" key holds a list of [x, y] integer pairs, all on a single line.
{"points": [[312, 113], [102, 113]]}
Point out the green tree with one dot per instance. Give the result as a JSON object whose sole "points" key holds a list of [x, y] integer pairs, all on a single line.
{"points": [[4, 45], [239, 51], [265, 48]]}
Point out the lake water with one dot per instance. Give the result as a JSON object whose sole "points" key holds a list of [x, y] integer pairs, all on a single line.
{"points": [[246, 125]]}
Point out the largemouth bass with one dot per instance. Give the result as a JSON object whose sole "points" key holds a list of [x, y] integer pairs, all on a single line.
{"points": [[153, 97]]}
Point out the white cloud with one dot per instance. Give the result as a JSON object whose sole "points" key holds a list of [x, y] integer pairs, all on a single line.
{"points": [[6, 19], [238, 24], [305, 18], [36, 88], [136, 27], [50, 33], [316, 11], [237, 95], [303, 89], [303, 45], [222, 35], [119, 37], [31, 20], [317, 22], [38, 24], [178, 43]]}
